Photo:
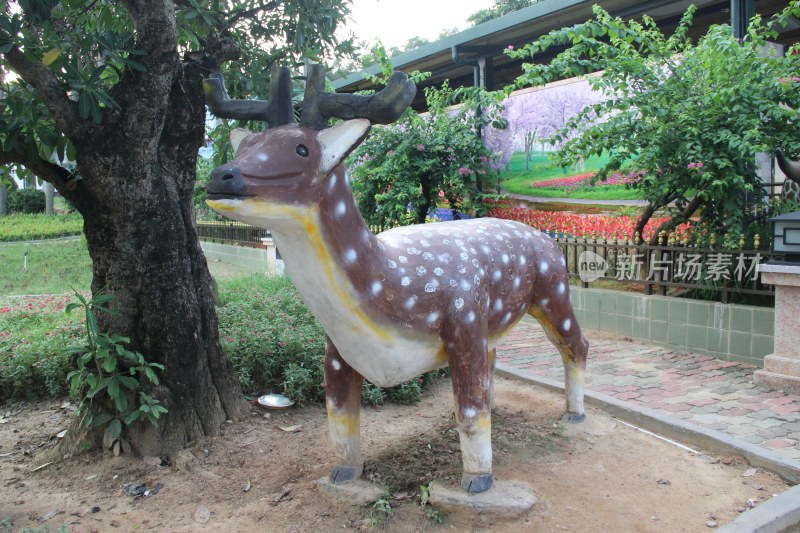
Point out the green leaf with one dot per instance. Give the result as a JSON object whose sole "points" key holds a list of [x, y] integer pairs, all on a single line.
{"points": [[110, 364], [113, 389], [115, 428], [132, 417], [102, 419], [51, 56]]}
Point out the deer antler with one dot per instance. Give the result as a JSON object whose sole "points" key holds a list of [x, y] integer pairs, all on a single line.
{"points": [[276, 110], [382, 107], [789, 167]]}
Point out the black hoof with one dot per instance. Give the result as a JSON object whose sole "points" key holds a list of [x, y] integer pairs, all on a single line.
{"points": [[573, 418], [343, 474], [474, 484]]}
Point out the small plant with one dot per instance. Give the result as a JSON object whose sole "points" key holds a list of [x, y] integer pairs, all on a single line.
{"points": [[434, 515], [28, 200], [382, 510], [109, 378]]}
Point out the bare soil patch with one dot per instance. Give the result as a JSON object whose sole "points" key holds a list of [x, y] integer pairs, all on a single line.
{"points": [[597, 476]]}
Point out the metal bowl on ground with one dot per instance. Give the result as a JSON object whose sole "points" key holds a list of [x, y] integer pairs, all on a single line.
{"points": [[275, 401]]}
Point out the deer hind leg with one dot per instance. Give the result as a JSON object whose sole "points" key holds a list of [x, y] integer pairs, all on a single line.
{"points": [[343, 403], [471, 370], [558, 321]]}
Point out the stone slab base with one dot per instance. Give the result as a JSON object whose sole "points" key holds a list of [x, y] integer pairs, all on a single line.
{"points": [[773, 380], [357, 492], [782, 365], [506, 499]]}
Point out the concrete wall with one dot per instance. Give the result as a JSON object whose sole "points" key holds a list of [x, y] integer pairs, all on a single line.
{"points": [[255, 259], [727, 331]]}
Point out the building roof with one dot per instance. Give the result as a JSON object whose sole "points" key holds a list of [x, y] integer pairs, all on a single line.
{"points": [[453, 57]]}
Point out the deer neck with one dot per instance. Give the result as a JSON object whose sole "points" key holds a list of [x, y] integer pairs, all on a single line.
{"points": [[329, 249]]}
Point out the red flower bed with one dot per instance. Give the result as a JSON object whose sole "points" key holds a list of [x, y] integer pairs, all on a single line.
{"points": [[583, 226]]}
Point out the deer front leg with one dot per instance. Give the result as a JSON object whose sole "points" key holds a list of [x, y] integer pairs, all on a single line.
{"points": [[343, 403], [471, 369]]}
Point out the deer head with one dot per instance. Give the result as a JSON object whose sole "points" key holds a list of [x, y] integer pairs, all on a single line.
{"points": [[284, 165]]}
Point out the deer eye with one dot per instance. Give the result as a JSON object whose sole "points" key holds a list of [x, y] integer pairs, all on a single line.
{"points": [[302, 150]]}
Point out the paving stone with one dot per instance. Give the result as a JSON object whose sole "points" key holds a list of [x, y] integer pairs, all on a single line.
{"points": [[778, 443], [767, 423]]}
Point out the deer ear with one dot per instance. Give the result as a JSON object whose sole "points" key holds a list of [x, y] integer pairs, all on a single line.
{"points": [[337, 142], [237, 136]]}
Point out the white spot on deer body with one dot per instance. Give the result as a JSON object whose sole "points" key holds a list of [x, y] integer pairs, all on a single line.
{"points": [[445, 258], [438, 271], [350, 256], [504, 259], [365, 235], [528, 235], [522, 260], [427, 256], [336, 364], [413, 251], [432, 318], [471, 317], [544, 267], [496, 275], [453, 283], [459, 304], [332, 182], [507, 317], [463, 256], [421, 271], [473, 251], [543, 302], [498, 305], [376, 287], [392, 264], [341, 209], [406, 281], [567, 324], [561, 288], [427, 234], [410, 302], [476, 280], [446, 242], [425, 243], [406, 240], [462, 269], [517, 282], [470, 412], [475, 263], [485, 249], [403, 259], [431, 287], [459, 242], [562, 261], [465, 285]]}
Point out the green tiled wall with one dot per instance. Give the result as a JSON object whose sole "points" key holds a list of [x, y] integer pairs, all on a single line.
{"points": [[727, 331]]}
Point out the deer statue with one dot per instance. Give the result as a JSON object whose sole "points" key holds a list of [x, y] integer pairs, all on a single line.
{"points": [[406, 301], [791, 186]]}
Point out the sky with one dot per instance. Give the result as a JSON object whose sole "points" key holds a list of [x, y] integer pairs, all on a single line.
{"points": [[396, 21]]}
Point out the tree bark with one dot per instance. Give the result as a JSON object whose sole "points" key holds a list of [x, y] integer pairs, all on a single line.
{"points": [[137, 171], [141, 236]]}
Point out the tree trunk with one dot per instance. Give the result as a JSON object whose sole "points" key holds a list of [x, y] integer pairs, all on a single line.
{"points": [[140, 231], [3, 200], [49, 198]]}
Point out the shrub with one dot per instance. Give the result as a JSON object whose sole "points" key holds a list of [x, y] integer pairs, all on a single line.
{"points": [[34, 331], [28, 227], [28, 200]]}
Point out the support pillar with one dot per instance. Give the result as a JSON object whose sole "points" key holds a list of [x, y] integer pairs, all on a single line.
{"points": [[782, 368]]}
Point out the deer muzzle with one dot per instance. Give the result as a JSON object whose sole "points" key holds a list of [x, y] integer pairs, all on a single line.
{"points": [[226, 182]]}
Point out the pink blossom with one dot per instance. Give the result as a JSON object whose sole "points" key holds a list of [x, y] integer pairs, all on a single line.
{"points": [[421, 147], [690, 165], [795, 79], [699, 164], [484, 159], [510, 47], [390, 152], [441, 194], [463, 171]]}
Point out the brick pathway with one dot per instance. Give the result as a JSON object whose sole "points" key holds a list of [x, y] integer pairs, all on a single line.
{"points": [[699, 388]]}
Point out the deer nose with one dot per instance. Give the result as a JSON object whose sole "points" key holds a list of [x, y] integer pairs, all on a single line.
{"points": [[226, 180]]}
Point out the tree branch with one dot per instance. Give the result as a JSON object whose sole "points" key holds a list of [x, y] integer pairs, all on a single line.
{"points": [[236, 17], [52, 92], [61, 178]]}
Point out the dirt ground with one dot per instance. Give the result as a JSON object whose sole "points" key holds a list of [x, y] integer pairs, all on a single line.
{"points": [[597, 476]]}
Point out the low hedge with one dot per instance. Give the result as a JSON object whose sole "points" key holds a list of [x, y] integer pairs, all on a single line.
{"points": [[28, 227]]}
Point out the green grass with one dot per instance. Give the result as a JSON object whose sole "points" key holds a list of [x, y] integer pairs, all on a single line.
{"points": [[518, 181], [54, 267], [21, 227]]}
